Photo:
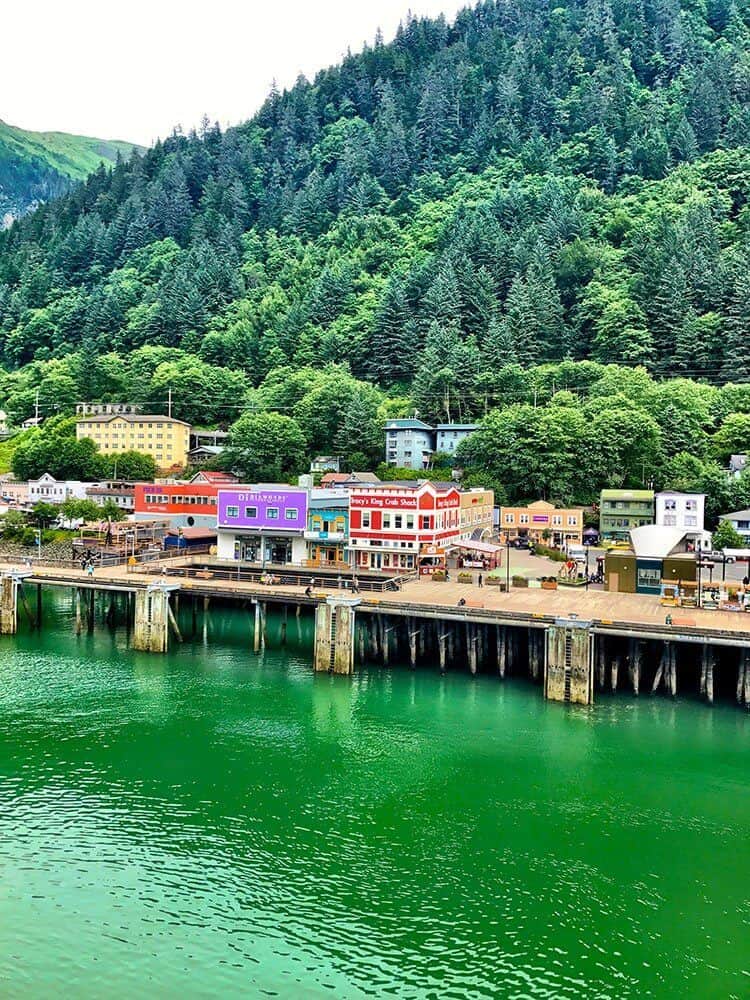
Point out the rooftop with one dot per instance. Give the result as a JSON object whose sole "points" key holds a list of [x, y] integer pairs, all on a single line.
{"points": [[654, 541], [458, 427], [411, 424], [627, 494], [736, 515], [131, 418]]}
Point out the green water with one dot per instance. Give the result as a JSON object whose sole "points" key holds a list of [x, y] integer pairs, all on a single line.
{"points": [[215, 824]]}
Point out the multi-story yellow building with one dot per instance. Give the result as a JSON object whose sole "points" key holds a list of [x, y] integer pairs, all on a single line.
{"points": [[477, 506], [167, 440]]}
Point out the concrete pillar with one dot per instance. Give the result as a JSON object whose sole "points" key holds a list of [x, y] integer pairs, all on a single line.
{"points": [[8, 604], [569, 662], [334, 635], [151, 626]]}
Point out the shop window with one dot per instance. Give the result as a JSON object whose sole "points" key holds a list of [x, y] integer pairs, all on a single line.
{"points": [[291, 513], [649, 577], [233, 511], [251, 513], [272, 513]]}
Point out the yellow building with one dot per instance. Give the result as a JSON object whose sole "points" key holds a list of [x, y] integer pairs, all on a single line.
{"points": [[543, 522], [477, 507], [167, 440]]}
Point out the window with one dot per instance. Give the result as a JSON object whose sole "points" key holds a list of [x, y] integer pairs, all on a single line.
{"points": [[691, 505], [386, 520], [424, 522], [524, 519], [691, 521], [509, 518], [233, 511], [670, 520], [410, 521], [670, 505], [572, 520], [365, 519], [397, 520], [557, 519], [649, 577], [251, 512], [291, 513]]}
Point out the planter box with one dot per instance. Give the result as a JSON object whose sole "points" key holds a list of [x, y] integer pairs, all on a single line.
{"points": [[520, 581], [549, 585], [465, 578], [490, 582]]}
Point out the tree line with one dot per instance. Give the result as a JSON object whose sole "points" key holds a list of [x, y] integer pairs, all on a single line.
{"points": [[528, 184]]}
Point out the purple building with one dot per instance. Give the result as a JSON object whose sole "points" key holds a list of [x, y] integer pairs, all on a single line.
{"points": [[263, 523]]}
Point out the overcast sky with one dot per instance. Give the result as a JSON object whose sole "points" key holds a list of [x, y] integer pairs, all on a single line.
{"points": [[133, 70]]}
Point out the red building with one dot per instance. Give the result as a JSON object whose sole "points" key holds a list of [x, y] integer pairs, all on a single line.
{"points": [[187, 505], [401, 526]]}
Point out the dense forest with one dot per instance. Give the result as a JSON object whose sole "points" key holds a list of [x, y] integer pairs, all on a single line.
{"points": [[532, 185]]}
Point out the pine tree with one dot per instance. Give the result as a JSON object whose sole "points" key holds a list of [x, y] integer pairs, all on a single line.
{"points": [[668, 312], [736, 365], [498, 348], [393, 350]]}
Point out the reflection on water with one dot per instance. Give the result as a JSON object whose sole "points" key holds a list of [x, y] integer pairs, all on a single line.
{"points": [[214, 822]]}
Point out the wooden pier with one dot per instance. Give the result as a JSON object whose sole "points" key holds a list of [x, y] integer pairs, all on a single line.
{"points": [[572, 643]]}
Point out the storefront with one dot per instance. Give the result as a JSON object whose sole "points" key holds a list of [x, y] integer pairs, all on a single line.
{"points": [[262, 525], [391, 525]]}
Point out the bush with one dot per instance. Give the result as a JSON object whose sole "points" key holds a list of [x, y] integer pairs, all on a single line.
{"points": [[554, 554], [465, 577]]}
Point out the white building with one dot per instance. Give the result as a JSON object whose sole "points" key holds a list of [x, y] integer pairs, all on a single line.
{"points": [[684, 511], [47, 489]]}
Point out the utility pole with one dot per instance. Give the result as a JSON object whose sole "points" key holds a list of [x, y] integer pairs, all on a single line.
{"points": [[170, 402]]}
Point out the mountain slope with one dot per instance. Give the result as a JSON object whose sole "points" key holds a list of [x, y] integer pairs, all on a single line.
{"points": [[528, 184], [36, 166]]}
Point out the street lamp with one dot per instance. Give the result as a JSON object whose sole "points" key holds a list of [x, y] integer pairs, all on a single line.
{"points": [[507, 562], [39, 543]]}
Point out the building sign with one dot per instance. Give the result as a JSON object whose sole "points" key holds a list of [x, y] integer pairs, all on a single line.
{"points": [[540, 518], [263, 509], [383, 501]]}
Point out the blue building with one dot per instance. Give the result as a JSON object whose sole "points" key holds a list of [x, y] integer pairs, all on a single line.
{"points": [[411, 443], [327, 532]]}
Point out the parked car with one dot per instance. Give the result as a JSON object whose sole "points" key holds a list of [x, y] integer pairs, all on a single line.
{"points": [[521, 543], [717, 556]]}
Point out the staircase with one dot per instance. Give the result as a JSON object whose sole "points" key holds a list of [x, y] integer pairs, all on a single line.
{"points": [[333, 639], [568, 663]]}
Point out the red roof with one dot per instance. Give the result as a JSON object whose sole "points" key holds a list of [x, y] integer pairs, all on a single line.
{"points": [[334, 477], [216, 477]]}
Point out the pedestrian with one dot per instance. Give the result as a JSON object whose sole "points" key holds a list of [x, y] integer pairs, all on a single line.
{"points": [[480, 579], [90, 569]]}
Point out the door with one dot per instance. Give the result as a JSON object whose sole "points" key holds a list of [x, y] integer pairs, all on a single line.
{"points": [[614, 583]]}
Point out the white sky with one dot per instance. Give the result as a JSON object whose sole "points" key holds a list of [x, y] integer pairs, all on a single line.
{"points": [[133, 69]]}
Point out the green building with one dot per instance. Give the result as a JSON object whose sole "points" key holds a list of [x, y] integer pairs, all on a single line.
{"points": [[621, 510]]}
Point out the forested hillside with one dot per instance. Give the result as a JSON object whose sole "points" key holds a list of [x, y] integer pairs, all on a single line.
{"points": [[37, 166], [532, 183]]}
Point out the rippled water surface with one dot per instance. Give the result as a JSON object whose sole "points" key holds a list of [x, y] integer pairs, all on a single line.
{"points": [[217, 824]]}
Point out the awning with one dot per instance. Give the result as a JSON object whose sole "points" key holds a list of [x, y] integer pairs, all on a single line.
{"points": [[486, 548]]}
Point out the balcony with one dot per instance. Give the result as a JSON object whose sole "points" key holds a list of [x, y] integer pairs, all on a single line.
{"points": [[325, 536]]}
